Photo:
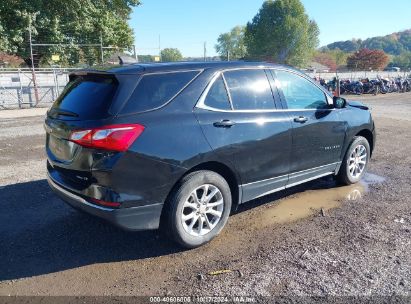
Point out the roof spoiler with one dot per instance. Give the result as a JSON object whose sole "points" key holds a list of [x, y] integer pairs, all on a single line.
{"points": [[97, 73], [126, 60]]}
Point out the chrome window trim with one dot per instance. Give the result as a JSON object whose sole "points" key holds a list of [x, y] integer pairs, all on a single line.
{"points": [[201, 101], [230, 99]]}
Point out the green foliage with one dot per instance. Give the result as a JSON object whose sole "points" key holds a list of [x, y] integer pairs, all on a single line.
{"points": [[365, 59], [145, 58], [393, 44], [170, 54], [232, 43], [282, 32], [69, 22], [346, 46], [402, 61], [339, 57]]}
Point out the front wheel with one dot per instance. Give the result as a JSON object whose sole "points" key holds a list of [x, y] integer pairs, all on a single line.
{"points": [[355, 161], [199, 208]]}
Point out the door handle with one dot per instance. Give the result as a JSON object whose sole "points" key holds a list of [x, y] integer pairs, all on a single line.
{"points": [[224, 124], [301, 119]]}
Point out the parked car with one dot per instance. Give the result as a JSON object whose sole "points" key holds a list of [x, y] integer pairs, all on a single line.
{"points": [[180, 145]]}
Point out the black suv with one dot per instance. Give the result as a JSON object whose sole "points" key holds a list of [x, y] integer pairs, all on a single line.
{"points": [[180, 145]]}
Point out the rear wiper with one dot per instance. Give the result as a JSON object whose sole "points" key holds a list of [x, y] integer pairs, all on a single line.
{"points": [[57, 112]]}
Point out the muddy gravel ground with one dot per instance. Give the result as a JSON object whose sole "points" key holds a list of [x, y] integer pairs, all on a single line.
{"points": [[316, 239]]}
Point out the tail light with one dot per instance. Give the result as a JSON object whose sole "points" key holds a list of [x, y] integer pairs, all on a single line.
{"points": [[113, 137]]}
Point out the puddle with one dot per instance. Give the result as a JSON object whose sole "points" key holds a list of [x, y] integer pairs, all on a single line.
{"points": [[310, 202], [370, 179]]}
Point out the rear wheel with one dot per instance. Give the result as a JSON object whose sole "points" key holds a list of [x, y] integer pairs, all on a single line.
{"points": [[355, 161], [199, 208]]}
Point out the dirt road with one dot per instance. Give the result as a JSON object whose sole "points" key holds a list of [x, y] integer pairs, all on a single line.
{"points": [[315, 239]]}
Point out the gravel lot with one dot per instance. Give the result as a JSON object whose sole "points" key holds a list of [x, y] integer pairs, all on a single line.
{"points": [[315, 239]]}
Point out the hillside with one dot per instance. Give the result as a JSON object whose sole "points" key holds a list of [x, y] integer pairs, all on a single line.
{"points": [[393, 44]]}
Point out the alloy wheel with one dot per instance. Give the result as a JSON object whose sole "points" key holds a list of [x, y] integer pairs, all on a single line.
{"points": [[357, 161], [202, 210]]}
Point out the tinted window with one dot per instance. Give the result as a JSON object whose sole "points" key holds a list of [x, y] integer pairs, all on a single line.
{"points": [[299, 92], [217, 96], [155, 90], [249, 90], [88, 97]]}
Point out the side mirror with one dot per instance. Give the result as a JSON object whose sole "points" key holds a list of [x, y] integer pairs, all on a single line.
{"points": [[339, 102]]}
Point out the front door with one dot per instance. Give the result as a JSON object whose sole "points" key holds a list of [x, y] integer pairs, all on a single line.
{"points": [[243, 127], [318, 131]]}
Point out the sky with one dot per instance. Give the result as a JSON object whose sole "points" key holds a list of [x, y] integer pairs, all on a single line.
{"points": [[187, 24]]}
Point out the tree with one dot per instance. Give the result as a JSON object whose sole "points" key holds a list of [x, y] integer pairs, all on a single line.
{"points": [[326, 59], [402, 61], [12, 61], [171, 54], [70, 22], [145, 58], [346, 46], [232, 44], [393, 44], [339, 56], [365, 59], [282, 32]]}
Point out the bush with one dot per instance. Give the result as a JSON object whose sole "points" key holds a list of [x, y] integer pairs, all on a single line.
{"points": [[10, 61]]}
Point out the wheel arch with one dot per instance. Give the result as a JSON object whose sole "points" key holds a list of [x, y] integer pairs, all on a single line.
{"points": [[225, 171], [367, 134]]}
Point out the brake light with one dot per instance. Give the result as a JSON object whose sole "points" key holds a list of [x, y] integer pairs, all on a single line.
{"points": [[113, 137]]}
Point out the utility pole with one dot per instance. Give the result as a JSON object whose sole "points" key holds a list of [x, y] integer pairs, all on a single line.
{"points": [[135, 52], [159, 47], [205, 51], [101, 48], [33, 72]]}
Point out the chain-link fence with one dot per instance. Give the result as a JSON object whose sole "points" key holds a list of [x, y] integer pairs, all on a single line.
{"points": [[356, 75], [17, 88]]}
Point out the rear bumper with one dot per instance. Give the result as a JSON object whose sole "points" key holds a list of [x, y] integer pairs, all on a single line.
{"points": [[132, 218]]}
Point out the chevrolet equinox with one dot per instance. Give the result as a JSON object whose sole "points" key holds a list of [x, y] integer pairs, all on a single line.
{"points": [[180, 145]]}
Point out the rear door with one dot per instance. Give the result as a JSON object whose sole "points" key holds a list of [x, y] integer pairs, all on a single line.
{"points": [[318, 130], [240, 121]]}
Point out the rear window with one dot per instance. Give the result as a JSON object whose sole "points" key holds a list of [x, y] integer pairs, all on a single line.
{"points": [[155, 90], [87, 97]]}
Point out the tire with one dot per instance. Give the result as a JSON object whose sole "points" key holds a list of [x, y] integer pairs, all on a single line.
{"points": [[183, 202], [349, 172]]}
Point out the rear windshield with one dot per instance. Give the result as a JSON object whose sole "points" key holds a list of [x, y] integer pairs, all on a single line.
{"points": [[87, 97], [155, 90]]}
